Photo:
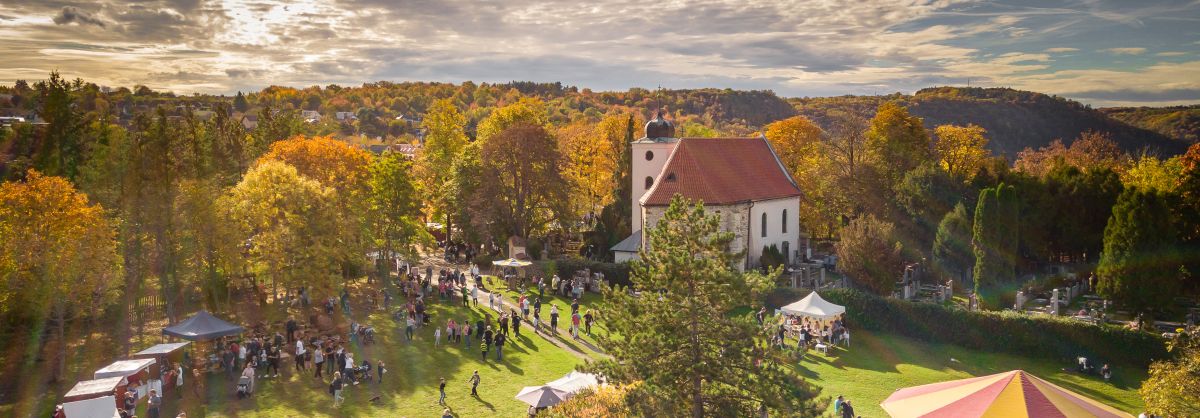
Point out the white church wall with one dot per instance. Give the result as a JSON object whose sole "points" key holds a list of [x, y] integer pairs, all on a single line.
{"points": [[648, 161], [774, 210]]}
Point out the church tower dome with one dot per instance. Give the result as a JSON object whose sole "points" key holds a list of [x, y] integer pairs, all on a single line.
{"points": [[659, 127]]}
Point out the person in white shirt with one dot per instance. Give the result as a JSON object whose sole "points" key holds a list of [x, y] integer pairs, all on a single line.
{"points": [[300, 354]]}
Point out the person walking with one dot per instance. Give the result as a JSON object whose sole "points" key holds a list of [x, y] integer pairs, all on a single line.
{"points": [[442, 391], [154, 404], [291, 328], [516, 325], [491, 300], [437, 337], [381, 369], [500, 338], [575, 325], [330, 358], [483, 351], [178, 381], [318, 361], [847, 410], [554, 319], [273, 360], [587, 322], [475, 384], [409, 323], [130, 402], [475, 295], [466, 333], [300, 355], [198, 382], [335, 388]]}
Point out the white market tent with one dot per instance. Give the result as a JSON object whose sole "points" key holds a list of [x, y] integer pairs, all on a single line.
{"points": [[512, 262], [574, 382], [122, 368], [542, 396], [97, 388], [813, 306], [102, 407]]}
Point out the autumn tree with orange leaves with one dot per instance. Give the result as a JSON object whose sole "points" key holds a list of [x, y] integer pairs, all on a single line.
{"points": [[58, 255], [346, 170]]}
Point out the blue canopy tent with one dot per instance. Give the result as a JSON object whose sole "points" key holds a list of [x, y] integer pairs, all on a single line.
{"points": [[202, 327]]}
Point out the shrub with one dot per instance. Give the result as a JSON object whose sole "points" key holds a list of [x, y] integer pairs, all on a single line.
{"points": [[614, 273], [533, 248], [771, 257], [1056, 338]]}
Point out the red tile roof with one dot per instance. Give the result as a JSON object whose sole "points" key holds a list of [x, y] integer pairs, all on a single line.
{"points": [[721, 171]]}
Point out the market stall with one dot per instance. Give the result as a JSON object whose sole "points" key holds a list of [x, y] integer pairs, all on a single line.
{"points": [[135, 371], [97, 388], [165, 356], [102, 407], [204, 327], [814, 317]]}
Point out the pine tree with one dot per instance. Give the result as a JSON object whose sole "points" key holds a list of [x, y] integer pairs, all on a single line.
{"points": [[679, 338], [952, 253], [1137, 269], [240, 103]]}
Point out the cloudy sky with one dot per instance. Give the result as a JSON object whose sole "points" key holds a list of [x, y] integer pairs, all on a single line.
{"points": [[1141, 52]]}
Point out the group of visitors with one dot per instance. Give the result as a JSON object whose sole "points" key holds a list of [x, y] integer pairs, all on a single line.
{"points": [[842, 408]]}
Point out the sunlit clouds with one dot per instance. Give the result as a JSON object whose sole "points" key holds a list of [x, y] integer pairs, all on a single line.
{"points": [[1098, 52]]}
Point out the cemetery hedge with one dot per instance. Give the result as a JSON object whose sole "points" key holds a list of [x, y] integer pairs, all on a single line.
{"points": [[1057, 338]]}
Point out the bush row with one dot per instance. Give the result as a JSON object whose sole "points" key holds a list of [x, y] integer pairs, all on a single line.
{"points": [[1056, 338], [615, 273]]}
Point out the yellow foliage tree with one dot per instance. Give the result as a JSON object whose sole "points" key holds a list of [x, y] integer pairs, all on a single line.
{"points": [[58, 254], [588, 166], [341, 167], [288, 221], [961, 150], [527, 111], [1150, 172], [604, 401], [798, 142], [445, 139]]}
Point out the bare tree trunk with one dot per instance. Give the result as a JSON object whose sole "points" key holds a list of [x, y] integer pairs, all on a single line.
{"points": [[60, 331]]}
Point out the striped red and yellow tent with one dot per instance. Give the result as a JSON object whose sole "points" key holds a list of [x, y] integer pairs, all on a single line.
{"points": [[1014, 394]]}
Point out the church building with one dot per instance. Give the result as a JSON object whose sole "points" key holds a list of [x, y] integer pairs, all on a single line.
{"points": [[740, 179]]}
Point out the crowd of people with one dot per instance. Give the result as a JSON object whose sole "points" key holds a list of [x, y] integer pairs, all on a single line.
{"points": [[249, 361]]}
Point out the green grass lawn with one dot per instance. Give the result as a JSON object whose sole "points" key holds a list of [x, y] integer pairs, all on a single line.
{"points": [[589, 300], [878, 364], [410, 386]]}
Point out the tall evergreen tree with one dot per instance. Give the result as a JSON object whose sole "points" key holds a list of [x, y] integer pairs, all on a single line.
{"points": [[995, 236], [680, 339], [240, 103], [952, 253], [1137, 269]]}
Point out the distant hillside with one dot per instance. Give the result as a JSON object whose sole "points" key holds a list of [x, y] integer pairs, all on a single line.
{"points": [[1014, 119], [1178, 122]]}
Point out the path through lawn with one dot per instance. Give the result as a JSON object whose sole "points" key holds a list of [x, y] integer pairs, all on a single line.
{"points": [[878, 364]]}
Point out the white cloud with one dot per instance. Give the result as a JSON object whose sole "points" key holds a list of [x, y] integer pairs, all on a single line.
{"points": [[797, 47], [1126, 51], [1173, 54]]}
